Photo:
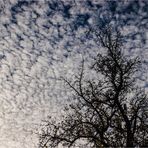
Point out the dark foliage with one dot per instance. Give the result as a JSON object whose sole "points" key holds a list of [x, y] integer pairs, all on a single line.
{"points": [[110, 110]]}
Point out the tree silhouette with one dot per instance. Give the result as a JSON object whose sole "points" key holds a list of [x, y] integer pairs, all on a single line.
{"points": [[108, 110]]}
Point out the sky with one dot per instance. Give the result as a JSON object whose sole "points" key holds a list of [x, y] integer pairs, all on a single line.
{"points": [[42, 40]]}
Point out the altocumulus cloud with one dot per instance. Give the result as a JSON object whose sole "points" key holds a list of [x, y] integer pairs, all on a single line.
{"points": [[41, 40]]}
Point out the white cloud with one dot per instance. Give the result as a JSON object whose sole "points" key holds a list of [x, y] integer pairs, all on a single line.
{"points": [[35, 50]]}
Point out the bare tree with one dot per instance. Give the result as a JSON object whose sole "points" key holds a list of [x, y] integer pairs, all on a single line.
{"points": [[108, 111]]}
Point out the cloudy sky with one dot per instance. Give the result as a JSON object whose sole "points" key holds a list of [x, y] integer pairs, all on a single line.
{"points": [[42, 40]]}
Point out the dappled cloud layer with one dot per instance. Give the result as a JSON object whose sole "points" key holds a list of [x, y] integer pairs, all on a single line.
{"points": [[42, 40]]}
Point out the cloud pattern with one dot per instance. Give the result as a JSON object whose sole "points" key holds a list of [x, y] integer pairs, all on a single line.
{"points": [[43, 40]]}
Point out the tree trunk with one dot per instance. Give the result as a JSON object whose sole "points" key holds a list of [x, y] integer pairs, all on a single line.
{"points": [[129, 141]]}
